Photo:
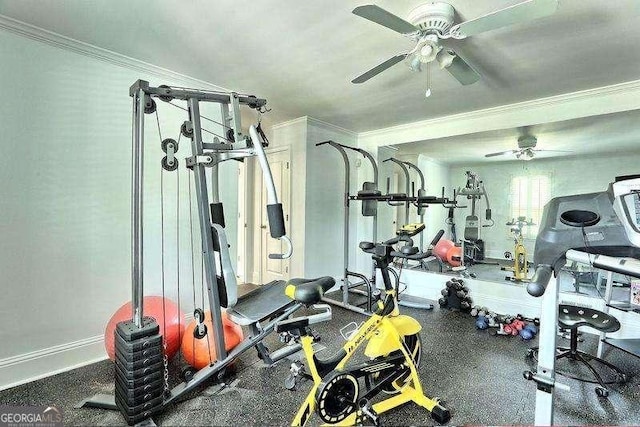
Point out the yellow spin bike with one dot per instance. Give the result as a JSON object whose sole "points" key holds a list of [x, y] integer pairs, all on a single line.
{"points": [[342, 395]]}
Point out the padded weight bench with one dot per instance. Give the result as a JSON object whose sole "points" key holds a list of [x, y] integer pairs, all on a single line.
{"points": [[266, 301]]}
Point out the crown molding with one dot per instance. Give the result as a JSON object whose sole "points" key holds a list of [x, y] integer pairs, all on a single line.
{"points": [[330, 126], [302, 119], [603, 100], [72, 45], [316, 122]]}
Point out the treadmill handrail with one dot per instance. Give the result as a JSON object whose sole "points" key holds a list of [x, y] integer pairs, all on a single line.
{"points": [[540, 280], [622, 265]]}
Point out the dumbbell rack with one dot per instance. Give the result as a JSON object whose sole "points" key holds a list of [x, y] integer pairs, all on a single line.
{"points": [[450, 298]]}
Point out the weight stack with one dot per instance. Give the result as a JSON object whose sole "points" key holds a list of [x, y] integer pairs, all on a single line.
{"points": [[139, 371]]}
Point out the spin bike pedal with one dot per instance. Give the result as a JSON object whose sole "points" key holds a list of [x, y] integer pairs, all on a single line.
{"points": [[313, 334], [367, 414], [295, 372]]}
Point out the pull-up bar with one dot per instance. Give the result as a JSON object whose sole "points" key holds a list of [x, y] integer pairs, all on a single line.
{"points": [[347, 287]]}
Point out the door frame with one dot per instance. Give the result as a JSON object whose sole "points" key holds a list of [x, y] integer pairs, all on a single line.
{"points": [[247, 246]]}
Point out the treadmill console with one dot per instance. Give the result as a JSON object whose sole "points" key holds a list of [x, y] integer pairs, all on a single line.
{"points": [[615, 233]]}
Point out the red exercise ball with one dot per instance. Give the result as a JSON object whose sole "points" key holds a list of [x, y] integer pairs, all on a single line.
{"points": [[200, 352], [454, 256], [153, 306], [441, 248]]}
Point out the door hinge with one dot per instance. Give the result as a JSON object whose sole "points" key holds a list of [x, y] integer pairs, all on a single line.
{"points": [[286, 217], [287, 166], [286, 269]]}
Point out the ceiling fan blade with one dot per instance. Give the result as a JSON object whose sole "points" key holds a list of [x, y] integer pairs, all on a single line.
{"points": [[553, 151], [387, 19], [379, 68], [521, 12], [502, 153], [462, 71]]}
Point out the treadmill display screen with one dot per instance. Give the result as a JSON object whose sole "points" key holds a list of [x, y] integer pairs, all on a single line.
{"points": [[632, 206]]}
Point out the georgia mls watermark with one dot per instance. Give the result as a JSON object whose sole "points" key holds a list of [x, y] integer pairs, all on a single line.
{"points": [[30, 416]]}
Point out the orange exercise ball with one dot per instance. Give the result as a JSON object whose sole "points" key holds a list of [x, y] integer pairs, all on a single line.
{"points": [[200, 352], [441, 248], [152, 306], [454, 256]]}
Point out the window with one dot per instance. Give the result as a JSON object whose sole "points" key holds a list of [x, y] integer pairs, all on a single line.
{"points": [[529, 194]]}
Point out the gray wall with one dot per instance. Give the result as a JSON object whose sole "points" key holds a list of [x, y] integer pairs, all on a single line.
{"points": [[65, 257], [324, 220]]}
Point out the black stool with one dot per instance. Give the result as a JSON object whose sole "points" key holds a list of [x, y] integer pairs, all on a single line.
{"points": [[572, 317]]}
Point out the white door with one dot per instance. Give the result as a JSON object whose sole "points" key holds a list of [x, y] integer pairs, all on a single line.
{"points": [[273, 269]]}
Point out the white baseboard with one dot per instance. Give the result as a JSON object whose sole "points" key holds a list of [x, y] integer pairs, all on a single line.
{"points": [[27, 367]]}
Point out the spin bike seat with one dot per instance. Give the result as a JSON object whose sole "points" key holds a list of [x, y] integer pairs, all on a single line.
{"points": [[308, 291]]}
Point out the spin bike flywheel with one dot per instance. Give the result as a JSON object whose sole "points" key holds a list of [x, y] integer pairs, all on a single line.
{"points": [[337, 397], [413, 345]]}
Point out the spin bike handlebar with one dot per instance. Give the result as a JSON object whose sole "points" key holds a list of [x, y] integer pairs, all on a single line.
{"points": [[378, 250], [274, 208]]}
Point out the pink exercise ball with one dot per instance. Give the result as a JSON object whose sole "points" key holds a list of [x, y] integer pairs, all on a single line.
{"points": [[153, 306], [454, 256], [441, 248]]}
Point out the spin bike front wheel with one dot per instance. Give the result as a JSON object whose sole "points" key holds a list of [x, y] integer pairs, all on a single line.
{"points": [[413, 345]]}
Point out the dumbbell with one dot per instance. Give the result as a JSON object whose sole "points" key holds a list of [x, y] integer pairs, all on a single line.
{"points": [[482, 323], [528, 332], [518, 324], [450, 284], [442, 302], [445, 292], [474, 310], [465, 305], [535, 320]]}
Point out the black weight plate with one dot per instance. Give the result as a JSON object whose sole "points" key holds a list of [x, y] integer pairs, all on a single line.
{"points": [[139, 381], [137, 362], [132, 400], [139, 373], [130, 332], [152, 406], [137, 345], [145, 388], [130, 356]]}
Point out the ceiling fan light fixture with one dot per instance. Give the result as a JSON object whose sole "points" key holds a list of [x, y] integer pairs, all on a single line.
{"points": [[413, 61], [445, 58], [428, 49]]}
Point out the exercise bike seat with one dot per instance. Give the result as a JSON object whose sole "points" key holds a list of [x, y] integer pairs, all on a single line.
{"points": [[308, 291]]}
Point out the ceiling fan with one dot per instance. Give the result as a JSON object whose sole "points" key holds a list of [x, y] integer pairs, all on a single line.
{"points": [[526, 149], [431, 22]]}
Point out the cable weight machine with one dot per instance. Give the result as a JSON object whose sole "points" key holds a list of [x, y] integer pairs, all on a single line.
{"points": [[473, 246], [140, 392]]}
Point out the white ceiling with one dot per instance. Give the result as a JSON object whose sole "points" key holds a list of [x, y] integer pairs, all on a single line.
{"points": [[301, 55], [606, 134]]}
